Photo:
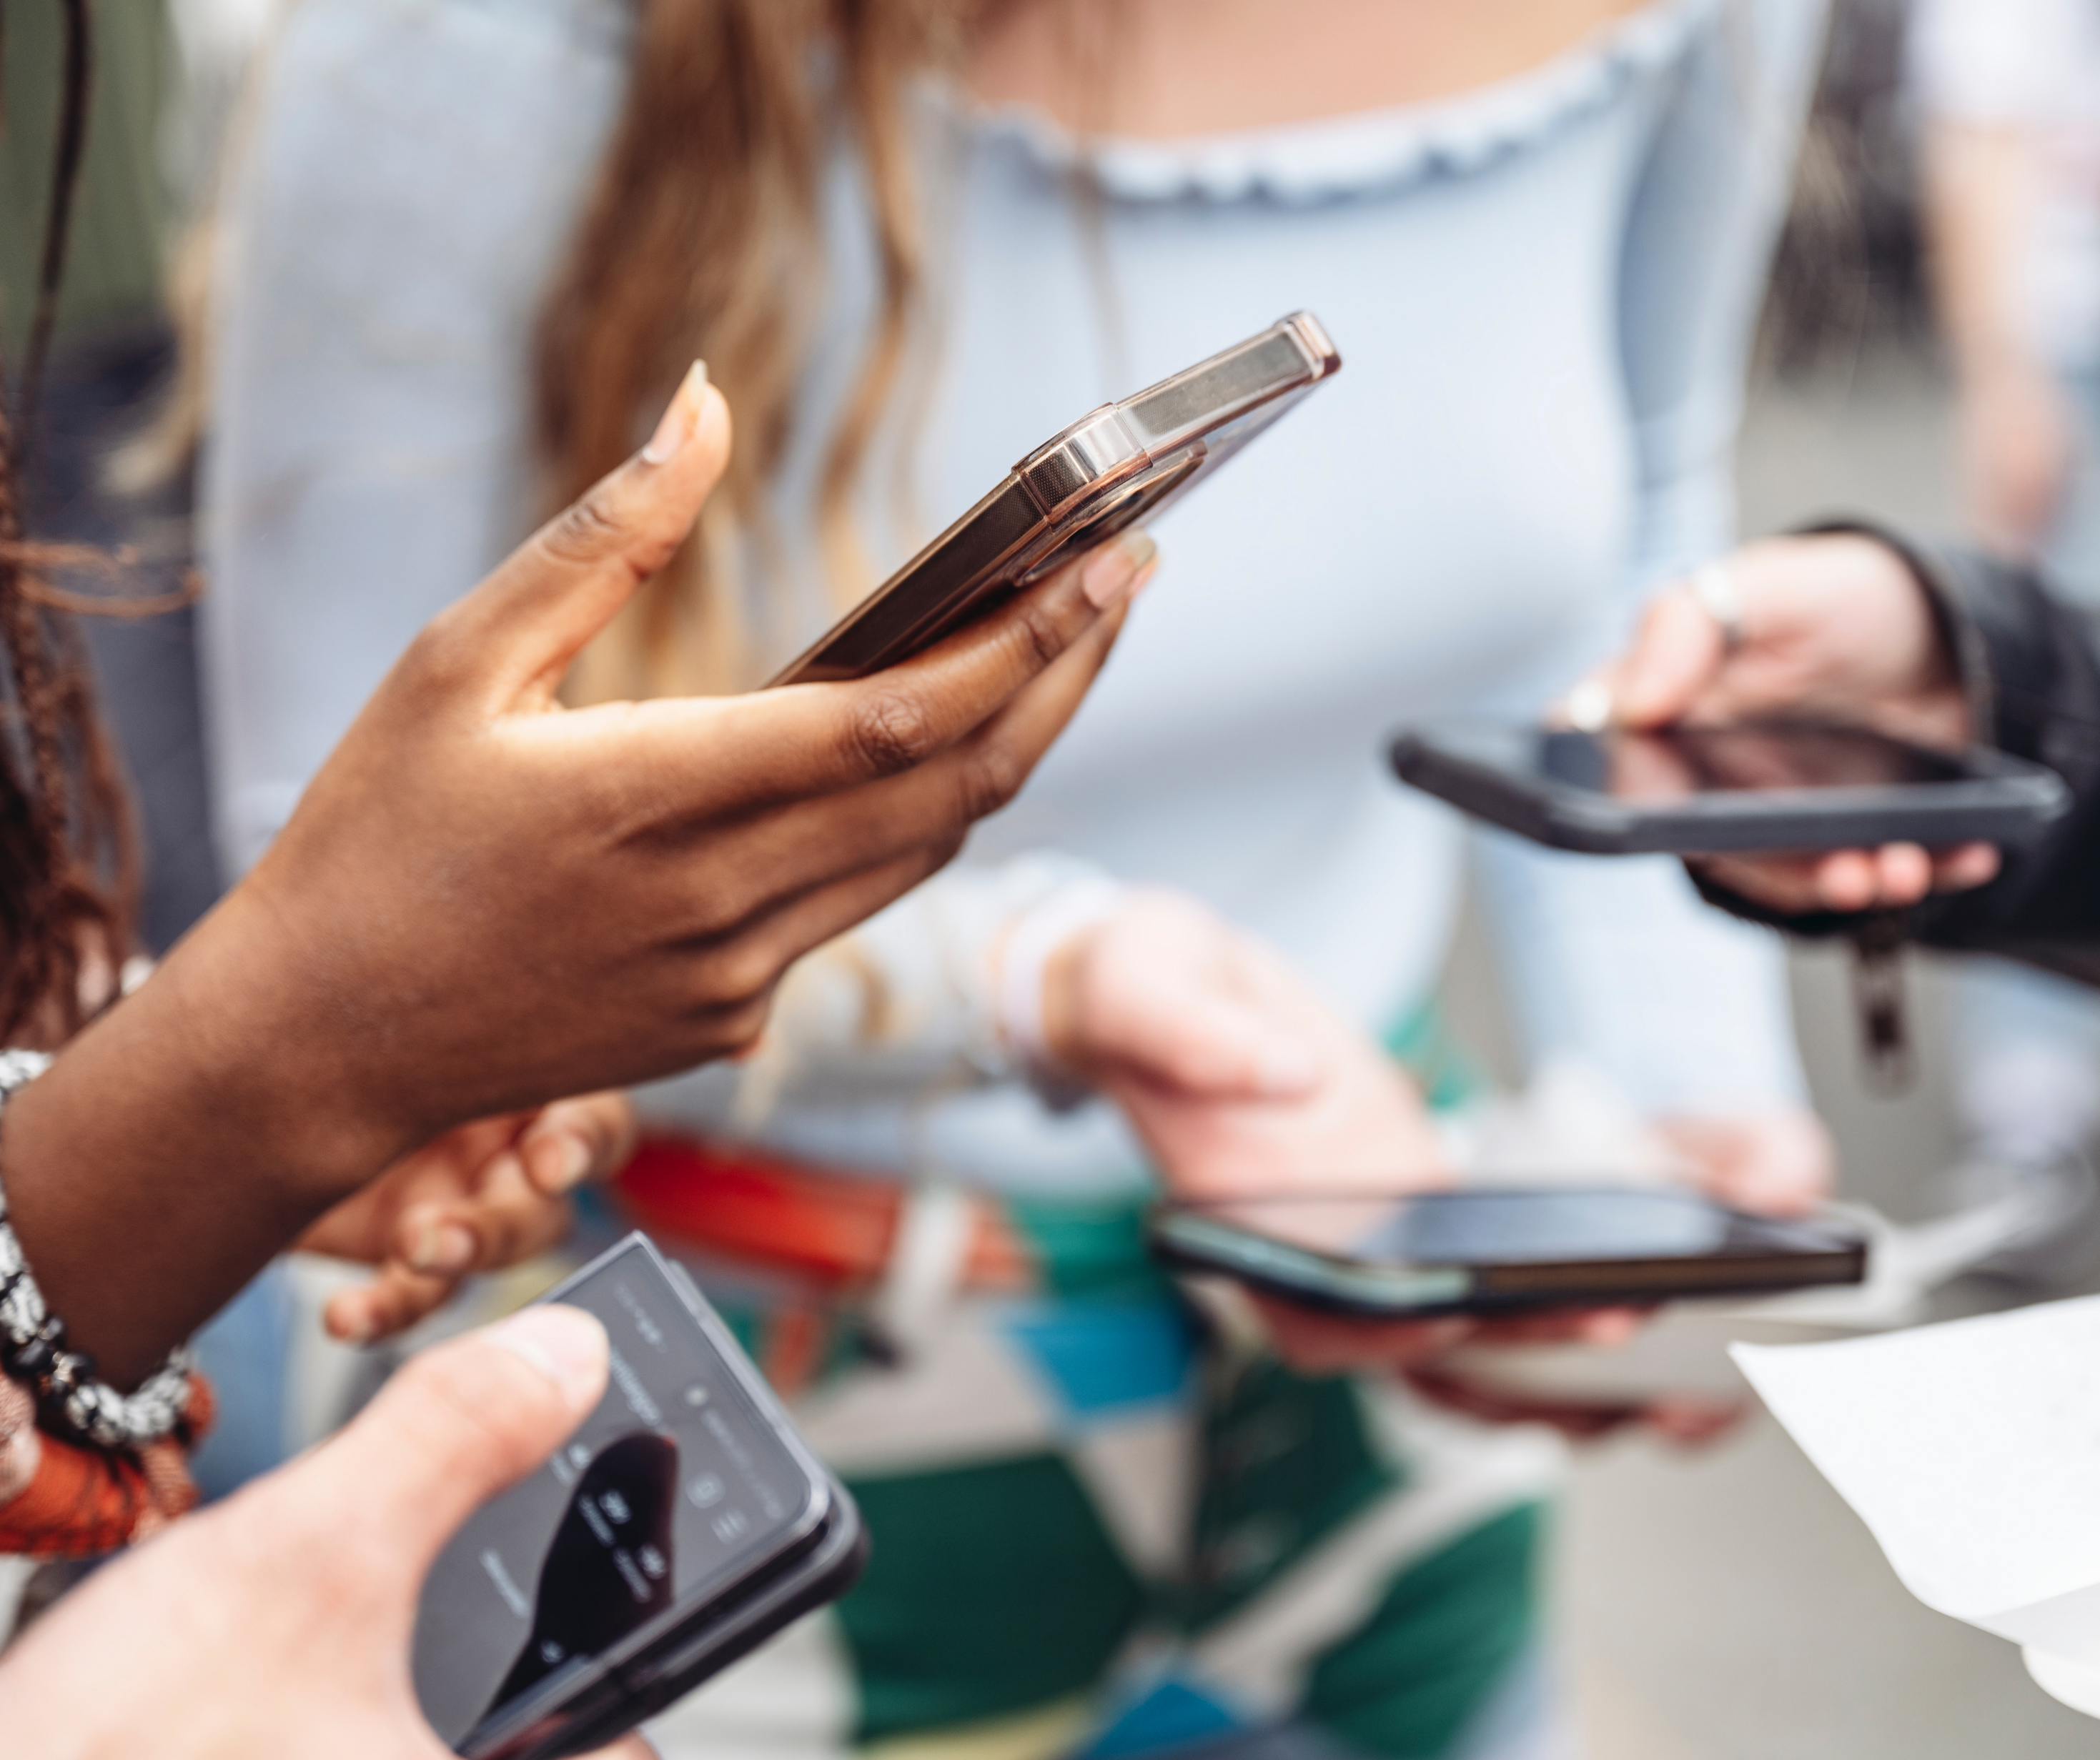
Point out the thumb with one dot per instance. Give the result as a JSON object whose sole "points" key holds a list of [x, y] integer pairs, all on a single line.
{"points": [[526, 623], [458, 1425], [1676, 657]]}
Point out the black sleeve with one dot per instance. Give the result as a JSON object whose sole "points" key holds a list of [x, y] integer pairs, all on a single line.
{"points": [[2030, 665]]}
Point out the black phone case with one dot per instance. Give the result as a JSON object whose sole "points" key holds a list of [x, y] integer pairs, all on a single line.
{"points": [[686, 1659], [1310, 1280], [821, 1568], [2004, 801]]}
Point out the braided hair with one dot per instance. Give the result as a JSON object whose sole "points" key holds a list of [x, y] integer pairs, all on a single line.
{"points": [[67, 851]]}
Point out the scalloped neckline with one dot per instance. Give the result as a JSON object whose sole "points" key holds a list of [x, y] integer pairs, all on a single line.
{"points": [[1358, 151]]}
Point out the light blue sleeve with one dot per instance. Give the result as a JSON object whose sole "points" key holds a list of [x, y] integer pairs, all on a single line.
{"points": [[1705, 216], [410, 172], [1617, 960]]}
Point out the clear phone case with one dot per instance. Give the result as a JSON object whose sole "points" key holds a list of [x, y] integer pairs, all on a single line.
{"points": [[1123, 464]]}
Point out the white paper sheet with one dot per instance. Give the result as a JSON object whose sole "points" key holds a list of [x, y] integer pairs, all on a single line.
{"points": [[1972, 1452]]}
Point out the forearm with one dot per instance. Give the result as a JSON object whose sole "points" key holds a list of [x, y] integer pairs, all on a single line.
{"points": [[1979, 194], [178, 1143]]}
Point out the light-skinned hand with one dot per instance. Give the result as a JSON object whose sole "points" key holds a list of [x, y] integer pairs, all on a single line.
{"points": [[1777, 1163], [1833, 627], [1243, 1081], [482, 1197], [276, 1626]]}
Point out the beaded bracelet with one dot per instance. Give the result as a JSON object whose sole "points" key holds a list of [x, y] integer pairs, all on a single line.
{"points": [[70, 1401]]}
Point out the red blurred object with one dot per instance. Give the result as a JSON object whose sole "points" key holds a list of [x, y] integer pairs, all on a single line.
{"points": [[835, 1229]]}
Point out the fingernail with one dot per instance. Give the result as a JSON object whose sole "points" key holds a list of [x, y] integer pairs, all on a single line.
{"points": [[442, 1247], [560, 1162], [565, 1344], [1114, 575], [1589, 706], [357, 1330], [679, 419]]}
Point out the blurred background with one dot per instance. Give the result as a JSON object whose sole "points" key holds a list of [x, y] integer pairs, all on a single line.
{"points": [[1726, 1605], [1723, 1605]]}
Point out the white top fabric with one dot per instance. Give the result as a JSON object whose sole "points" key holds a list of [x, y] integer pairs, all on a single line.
{"points": [[1543, 292], [2033, 65]]}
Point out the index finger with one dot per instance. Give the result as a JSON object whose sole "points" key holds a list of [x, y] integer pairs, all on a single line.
{"points": [[895, 720], [1677, 655], [1602, 1328], [804, 741]]}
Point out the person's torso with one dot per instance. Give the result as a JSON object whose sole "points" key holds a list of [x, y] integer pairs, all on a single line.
{"points": [[1447, 525]]}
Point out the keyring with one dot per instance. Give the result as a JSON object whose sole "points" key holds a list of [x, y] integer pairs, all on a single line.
{"points": [[1716, 593]]}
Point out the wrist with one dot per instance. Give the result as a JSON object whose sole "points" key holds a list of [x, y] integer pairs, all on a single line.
{"points": [[1062, 1008], [1925, 632], [193, 1122], [1039, 981], [1920, 620], [263, 1043]]}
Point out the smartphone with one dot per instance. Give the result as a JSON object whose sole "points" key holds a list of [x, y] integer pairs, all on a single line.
{"points": [[681, 1525], [1501, 1250], [1106, 473], [1704, 791]]}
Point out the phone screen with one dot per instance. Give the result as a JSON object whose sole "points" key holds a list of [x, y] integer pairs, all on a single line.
{"points": [[1677, 763], [673, 1488], [1532, 1226]]}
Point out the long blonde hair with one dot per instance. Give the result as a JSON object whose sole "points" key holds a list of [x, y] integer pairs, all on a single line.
{"points": [[703, 239]]}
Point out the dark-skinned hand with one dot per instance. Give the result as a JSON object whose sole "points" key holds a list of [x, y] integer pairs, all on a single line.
{"points": [[487, 901]]}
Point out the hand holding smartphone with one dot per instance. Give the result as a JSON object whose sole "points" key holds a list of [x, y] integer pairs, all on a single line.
{"points": [[683, 1524], [1500, 1250], [1846, 623]]}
